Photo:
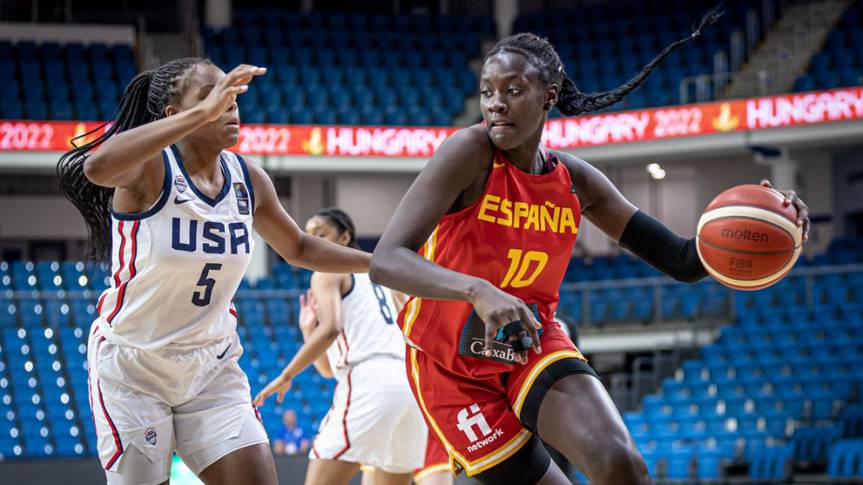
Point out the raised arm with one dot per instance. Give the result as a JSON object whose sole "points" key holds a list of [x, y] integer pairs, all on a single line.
{"points": [[328, 299], [459, 161], [123, 158], [636, 231], [308, 322], [640, 233], [280, 231]]}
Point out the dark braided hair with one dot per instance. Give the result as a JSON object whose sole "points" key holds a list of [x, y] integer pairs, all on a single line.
{"points": [[143, 101], [342, 222], [571, 101]]}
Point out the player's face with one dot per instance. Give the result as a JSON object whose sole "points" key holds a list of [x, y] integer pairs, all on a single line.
{"points": [[195, 86], [289, 419], [511, 99], [323, 228]]}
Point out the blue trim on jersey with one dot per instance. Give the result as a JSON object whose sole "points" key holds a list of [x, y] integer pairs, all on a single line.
{"points": [[166, 192], [353, 284], [225, 172], [248, 181]]}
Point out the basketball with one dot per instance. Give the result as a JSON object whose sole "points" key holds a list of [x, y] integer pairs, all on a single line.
{"points": [[747, 238]]}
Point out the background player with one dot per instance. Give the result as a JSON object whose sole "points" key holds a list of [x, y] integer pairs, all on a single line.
{"points": [[495, 216], [374, 419], [177, 211]]}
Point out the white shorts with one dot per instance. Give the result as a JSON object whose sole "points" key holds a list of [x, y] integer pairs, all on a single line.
{"points": [[374, 420], [146, 404]]}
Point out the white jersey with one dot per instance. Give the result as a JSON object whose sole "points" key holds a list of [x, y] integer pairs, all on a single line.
{"points": [[369, 329], [176, 266], [374, 419]]}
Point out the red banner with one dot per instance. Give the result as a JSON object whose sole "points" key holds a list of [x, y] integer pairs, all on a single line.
{"points": [[582, 131], [706, 118]]}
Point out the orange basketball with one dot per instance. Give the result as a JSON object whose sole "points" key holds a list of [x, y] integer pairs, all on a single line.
{"points": [[747, 239]]}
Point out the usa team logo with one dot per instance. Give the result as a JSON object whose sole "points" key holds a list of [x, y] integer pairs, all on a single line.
{"points": [[180, 183], [242, 194], [150, 436]]}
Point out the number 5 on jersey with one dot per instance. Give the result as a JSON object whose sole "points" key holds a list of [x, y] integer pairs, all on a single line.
{"points": [[520, 262], [202, 297]]}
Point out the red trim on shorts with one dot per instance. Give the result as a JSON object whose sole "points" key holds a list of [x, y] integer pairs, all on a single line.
{"points": [[232, 311], [99, 305], [117, 442], [347, 351], [121, 292], [89, 386], [345, 421], [257, 413]]}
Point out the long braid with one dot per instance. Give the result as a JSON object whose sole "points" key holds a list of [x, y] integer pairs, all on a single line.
{"points": [[571, 101], [143, 101]]}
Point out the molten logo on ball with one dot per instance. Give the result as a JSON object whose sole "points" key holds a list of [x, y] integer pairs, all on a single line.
{"points": [[748, 238], [745, 235]]}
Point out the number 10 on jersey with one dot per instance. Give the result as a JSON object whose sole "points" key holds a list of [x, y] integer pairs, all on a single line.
{"points": [[520, 262]]}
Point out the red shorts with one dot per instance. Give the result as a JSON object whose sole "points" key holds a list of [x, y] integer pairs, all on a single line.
{"points": [[477, 420], [436, 460]]}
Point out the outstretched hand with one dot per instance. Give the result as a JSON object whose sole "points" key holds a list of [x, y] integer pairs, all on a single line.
{"points": [[802, 209], [280, 385], [225, 92]]}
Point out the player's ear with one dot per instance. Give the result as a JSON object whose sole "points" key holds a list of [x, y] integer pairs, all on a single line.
{"points": [[171, 110], [344, 238], [551, 95]]}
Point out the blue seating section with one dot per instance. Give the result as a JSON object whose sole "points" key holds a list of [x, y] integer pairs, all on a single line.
{"points": [[774, 384], [63, 82], [44, 408], [770, 391], [840, 61], [378, 69], [353, 69], [706, 298], [604, 45]]}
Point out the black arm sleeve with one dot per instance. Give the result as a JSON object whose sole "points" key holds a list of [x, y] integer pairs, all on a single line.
{"points": [[651, 241]]}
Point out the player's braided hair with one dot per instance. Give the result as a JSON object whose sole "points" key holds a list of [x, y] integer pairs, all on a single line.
{"points": [[143, 101], [571, 101], [342, 222]]}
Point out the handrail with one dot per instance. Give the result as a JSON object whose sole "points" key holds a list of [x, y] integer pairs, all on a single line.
{"points": [[578, 286]]}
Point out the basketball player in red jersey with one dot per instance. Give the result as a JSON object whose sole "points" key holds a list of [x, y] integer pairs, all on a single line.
{"points": [[494, 217]]}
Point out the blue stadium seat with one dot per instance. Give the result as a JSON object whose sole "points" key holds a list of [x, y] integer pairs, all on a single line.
{"points": [[772, 463], [812, 443], [846, 460]]}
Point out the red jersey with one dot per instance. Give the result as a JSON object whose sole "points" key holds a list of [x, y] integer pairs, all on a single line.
{"points": [[518, 236]]}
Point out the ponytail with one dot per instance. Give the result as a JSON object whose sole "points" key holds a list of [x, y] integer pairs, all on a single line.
{"points": [[571, 101], [143, 101], [93, 201]]}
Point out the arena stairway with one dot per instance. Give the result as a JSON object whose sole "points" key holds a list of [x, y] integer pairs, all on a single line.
{"points": [[839, 63], [787, 48]]}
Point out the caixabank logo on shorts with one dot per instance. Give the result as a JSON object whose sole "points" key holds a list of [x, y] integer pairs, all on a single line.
{"points": [[470, 418]]}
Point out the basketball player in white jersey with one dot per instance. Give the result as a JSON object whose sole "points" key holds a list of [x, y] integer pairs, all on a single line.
{"points": [[175, 212], [374, 420]]}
